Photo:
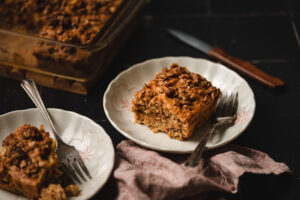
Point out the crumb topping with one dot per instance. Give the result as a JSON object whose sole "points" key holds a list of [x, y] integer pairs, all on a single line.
{"points": [[77, 21], [53, 192], [27, 150], [183, 88]]}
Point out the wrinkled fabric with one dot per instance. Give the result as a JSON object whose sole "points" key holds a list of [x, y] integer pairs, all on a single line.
{"points": [[145, 174]]}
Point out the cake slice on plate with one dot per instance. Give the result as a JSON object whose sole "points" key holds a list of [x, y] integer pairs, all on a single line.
{"points": [[29, 165], [176, 101]]}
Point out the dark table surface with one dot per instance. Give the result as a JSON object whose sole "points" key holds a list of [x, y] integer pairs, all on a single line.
{"points": [[263, 32]]}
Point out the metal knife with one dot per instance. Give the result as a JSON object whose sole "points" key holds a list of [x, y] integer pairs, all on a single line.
{"points": [[236, 63]]}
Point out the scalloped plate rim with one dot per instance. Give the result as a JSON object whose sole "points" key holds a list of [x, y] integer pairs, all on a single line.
{"points": [[110, 144], [167, 150]]}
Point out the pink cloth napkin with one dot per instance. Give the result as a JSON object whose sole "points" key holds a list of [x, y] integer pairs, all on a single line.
{"points": [[144, 174]]}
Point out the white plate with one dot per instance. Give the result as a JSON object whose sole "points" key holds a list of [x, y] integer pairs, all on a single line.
{"points": [[119, 94], [89, 138]]}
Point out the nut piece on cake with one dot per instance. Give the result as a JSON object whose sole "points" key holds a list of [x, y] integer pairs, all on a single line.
{"points": [[53, 192], [176, 101]]}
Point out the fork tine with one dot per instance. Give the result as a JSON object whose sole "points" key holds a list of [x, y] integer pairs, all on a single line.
{"points": [[221, 103], [75, 166], [229, 105], [69, 167], [81, 164], [235, 104], [223, 107], [68, 171]]}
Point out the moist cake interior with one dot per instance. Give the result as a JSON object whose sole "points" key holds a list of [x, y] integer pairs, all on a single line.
{"points": [[176, 101]]}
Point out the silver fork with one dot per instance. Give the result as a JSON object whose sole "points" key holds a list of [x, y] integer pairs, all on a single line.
{"points": [[225, 114], [68, 156]]}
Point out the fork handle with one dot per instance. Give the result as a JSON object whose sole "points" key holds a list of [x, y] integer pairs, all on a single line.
{"points": [[32, 91], [196, 155]]}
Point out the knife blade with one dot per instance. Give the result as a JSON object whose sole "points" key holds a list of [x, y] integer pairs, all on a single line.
{"points": [[191, 40], [236, 63]]}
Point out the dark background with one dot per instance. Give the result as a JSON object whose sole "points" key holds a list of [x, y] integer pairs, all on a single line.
{"points": [[265, 32]]}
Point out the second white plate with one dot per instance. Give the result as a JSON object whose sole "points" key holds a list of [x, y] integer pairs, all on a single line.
{"points": [[120, 92]]}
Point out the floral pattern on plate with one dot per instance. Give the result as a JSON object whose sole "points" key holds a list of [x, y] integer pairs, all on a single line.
{"points": [[92, 142], [120, 92]]}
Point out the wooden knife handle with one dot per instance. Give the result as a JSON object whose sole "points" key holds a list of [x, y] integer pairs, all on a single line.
{"points": [[245, 67]]}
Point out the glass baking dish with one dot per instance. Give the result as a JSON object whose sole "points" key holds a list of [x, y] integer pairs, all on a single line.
{"points": [[30, 56]]}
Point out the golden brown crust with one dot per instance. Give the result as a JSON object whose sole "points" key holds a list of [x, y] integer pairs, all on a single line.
{"points": [[175, 102]]}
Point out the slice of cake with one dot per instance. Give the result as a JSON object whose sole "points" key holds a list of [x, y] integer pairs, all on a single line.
{"points": [[176, 101], [29, 164], [27, 161]]}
